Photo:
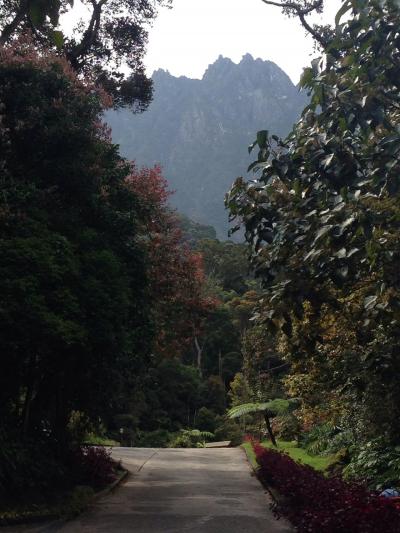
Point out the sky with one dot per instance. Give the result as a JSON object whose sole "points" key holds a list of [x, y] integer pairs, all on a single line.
{"points": [[187, 38]]}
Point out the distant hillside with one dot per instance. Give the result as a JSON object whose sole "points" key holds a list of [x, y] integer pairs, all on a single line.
{"points": [[199, 130]]}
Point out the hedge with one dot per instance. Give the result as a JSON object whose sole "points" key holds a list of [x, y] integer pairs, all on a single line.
{"points": [[315, 503]]}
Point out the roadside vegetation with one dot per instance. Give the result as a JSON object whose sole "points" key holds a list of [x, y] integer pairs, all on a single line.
{"points": [[123, 322]]}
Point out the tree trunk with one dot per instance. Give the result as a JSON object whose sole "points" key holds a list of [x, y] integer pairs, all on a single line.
{"points": [[26, 412], [199, 350], [269, 428]]}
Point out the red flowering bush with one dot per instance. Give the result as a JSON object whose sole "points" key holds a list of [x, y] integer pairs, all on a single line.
{"points": [[315, 503], [94, 466]]}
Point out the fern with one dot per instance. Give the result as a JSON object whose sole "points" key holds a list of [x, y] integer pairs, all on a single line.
{"points": [[275, 407]]}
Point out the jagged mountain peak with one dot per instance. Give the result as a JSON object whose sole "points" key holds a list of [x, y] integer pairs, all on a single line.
{"points": [[199, 130]]}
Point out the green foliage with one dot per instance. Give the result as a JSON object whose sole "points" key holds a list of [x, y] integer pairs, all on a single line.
{"points": [[375, 463], [275, 407], [228, 430], [191, 438], [322, 221], [159, 438], [214, 394], [65, 505], [301, 455], [239, 390], [226, 262], [74, 313], [172, 393], [193, 232], [79, 427], [206, 420], [26, 470], [287, 427], [100, 43], [78, 500]]}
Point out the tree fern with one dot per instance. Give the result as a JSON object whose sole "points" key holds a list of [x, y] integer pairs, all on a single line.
{"points": [[275, 407], [271, 408]]}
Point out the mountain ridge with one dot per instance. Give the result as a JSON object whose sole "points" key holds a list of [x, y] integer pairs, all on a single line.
{"points": [[198, 130]]}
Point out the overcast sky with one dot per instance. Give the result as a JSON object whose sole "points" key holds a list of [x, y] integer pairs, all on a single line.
{"points": [[187, 38], [191, 35]]}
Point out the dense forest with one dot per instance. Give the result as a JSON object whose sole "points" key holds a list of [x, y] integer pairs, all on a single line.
{"points": [[125, 322]]}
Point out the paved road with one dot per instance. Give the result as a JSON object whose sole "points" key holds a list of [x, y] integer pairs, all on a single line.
{"points": [[179, 490]]}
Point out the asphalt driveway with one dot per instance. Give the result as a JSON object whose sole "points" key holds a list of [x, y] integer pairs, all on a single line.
{"points": [[179, 490]]}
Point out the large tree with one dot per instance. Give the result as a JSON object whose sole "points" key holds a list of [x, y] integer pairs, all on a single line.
{"points": [[180, 304], [322, 220], [108, 42], [74, 314]]}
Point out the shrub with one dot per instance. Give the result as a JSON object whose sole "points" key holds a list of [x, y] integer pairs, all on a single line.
{"points": [[94, 466], [375, 463], [228, 429], [206, 420], [77, 502], [317, 440], [159, 438], [315, 503], [191, 438], [28, 468], [287, 427]]}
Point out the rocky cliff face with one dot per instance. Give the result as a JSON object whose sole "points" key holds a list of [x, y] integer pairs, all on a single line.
{"points": [[199, 130]]}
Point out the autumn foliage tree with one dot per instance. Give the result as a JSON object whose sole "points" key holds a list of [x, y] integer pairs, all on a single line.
{"points": [[176, 276]]}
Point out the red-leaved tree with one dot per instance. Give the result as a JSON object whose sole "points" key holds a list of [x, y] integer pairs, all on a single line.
{"points": [[176, 273]]}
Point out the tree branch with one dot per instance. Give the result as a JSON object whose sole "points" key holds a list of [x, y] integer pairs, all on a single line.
{"points": [[317, 36], [13, 25], [89, 35], [301, 14], [273, 369]]}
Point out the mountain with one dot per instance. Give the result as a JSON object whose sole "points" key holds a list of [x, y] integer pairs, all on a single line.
{"points": [[199, 130]]}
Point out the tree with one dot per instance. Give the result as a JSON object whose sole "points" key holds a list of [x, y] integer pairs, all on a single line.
{"points": [[322, 221], [177, 282], [269, 410], [112, 38], [74, 316], [226, 262]]}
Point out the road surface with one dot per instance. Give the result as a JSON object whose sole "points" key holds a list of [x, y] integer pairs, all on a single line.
{"points": [[178, 490]]}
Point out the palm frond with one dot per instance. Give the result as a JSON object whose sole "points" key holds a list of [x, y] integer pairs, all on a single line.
{"points": [[276, 407], [247, 409]]}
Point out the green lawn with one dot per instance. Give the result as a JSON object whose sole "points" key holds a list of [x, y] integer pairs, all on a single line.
{"points": [[297, 454], [251, 456]]}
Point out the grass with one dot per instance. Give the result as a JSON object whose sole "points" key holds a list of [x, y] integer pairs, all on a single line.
{"points": [[96, 440], [300, 455], [251, 456]]}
